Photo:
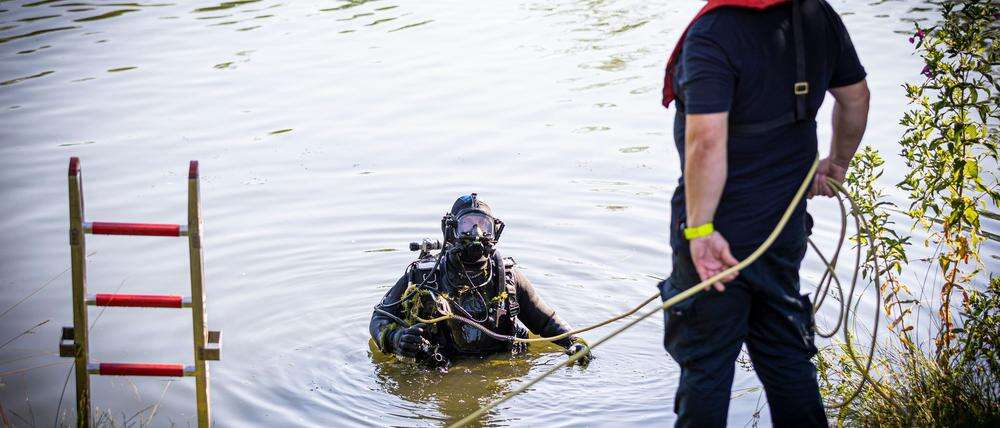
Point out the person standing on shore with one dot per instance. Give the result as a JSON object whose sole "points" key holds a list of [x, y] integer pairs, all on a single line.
{"points": [[748, 77]]}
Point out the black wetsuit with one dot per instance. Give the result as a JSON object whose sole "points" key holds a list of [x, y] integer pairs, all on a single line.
{"points": [[499, 314]]}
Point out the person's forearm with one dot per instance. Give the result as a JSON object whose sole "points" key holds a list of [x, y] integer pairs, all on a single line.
{"points": [[850, 117], [704, 167]]}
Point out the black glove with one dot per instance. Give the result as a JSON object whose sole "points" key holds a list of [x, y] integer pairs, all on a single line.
{"points": [[409, 341], [580, 345]]}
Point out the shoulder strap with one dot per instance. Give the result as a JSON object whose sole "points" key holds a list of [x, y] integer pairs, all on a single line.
{"points": [[800, 89], [505, 282]]}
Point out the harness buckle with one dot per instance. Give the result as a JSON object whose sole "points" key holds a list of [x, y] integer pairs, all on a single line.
{"points": [[801, 88]]}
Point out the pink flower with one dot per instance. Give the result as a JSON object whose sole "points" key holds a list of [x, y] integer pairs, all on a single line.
{"points": [[927, 71]]}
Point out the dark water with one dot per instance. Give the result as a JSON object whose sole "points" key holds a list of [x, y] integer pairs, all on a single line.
{"points": [[330, 134]]}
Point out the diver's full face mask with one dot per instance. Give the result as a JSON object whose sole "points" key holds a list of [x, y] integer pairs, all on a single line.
{"points": [[475, 225], [475, 233]]}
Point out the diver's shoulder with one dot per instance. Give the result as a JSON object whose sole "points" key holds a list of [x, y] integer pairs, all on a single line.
{"points": [[425, 263], [422, 270]]}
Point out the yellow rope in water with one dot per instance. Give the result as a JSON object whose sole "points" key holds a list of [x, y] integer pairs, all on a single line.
{"points": [[667, 304], [556, 337]]}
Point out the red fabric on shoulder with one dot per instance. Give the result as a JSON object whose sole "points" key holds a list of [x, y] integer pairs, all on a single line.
{"points": [[668, 78]]}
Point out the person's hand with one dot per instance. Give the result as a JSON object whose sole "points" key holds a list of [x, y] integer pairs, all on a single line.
{"points": [[828, 168], [711, 255], [409, 341], [579, 345]]}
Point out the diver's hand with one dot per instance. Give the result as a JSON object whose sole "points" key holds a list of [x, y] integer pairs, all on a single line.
{"points": [[579, 345], [409, 341], [828, 168], [711, 255]]}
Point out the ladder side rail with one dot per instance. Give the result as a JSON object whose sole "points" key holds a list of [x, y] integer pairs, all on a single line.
{"points": [[198, 297], [78, 254]]}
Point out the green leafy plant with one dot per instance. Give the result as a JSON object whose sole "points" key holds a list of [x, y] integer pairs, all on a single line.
{"points": [[948, 140], [950, 149]]}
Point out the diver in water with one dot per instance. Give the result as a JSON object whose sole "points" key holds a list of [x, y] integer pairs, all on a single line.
{"points": [[485, 294]]}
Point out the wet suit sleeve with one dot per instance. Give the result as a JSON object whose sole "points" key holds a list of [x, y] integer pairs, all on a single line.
{"points": [[709, 79], [539, 317], [382, 324], [847, 69]]}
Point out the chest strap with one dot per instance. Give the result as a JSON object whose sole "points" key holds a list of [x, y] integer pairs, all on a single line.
{"points": [[761, 127]]}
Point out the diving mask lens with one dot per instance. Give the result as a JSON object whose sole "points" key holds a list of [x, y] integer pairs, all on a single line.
{"points": [[468, 223]]}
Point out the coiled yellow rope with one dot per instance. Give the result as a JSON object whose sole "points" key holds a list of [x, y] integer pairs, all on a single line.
{"points": [[667, 304], [828, 279]]}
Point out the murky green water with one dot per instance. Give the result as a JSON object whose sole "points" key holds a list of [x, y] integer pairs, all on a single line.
{"points": [[330, 134]]}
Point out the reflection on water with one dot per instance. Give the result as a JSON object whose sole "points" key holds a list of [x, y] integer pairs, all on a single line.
{"points": [[464, 387], [331, 133]]}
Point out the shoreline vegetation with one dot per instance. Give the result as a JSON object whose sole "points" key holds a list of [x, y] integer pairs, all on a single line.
{"points": [[951, 375]]}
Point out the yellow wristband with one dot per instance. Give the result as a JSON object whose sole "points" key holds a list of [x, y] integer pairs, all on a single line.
{"points": [[698, 232]]}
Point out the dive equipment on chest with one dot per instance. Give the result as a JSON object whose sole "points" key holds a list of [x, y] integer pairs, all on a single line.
{"points": [[487, 298]]}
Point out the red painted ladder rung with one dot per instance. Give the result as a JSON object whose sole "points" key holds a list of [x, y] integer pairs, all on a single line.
{"points": [[140, 369], [134, 229], [139, 300]]}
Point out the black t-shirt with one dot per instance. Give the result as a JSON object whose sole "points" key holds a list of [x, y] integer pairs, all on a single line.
{"points": [[743, 61]]}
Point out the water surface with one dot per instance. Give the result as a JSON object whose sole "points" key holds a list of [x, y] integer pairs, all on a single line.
{"points": [[331, 134]]}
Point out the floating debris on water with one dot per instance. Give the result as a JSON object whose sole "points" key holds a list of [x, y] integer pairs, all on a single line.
{"points": [[614, 207], [21, 79], [84, 143], [587, 129], [633, 149], [629, 27], [613, 64], [379, 21], [106, 15], [28, 51], [412, 25], [33, 33]]}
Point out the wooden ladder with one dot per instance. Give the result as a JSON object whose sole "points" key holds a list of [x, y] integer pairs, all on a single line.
{"points": [[207, 345]]}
